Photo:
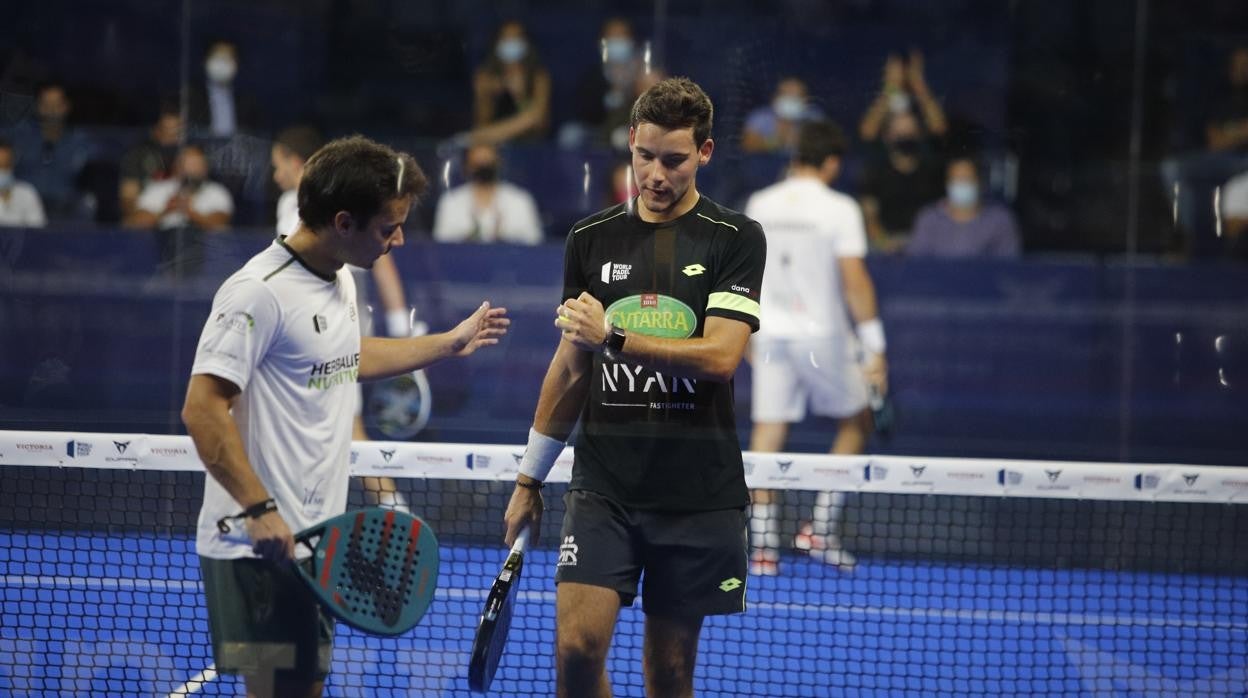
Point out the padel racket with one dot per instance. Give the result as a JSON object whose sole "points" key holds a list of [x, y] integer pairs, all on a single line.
{"points": [[487, 647], [400, 407], [373, 569]]}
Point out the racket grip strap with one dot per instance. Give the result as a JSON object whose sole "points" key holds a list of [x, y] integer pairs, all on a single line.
{"points": [[259, 509]]}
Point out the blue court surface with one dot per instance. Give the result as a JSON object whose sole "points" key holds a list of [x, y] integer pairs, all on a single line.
{"points": [[123, 616]]}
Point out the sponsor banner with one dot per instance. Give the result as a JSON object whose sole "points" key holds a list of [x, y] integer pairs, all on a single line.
{"points": [[166, 452], [898, 474]]}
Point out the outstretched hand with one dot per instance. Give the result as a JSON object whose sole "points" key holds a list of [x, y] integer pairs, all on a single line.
{"points": [[483, 328]]}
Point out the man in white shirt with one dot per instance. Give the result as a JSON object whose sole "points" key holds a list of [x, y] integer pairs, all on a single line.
{"points": [[269, 406], [20, 205], [805, 352], [486, 209], [188, 199]]}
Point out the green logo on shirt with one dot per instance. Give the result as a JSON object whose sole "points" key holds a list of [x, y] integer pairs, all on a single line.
{"points": [[653, 314]]}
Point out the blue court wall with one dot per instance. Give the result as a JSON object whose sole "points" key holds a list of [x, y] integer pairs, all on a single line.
{"points": [[1056, 358]]}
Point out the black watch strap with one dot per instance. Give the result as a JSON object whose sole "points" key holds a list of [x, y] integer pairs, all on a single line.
{"points": [[614, 342]]}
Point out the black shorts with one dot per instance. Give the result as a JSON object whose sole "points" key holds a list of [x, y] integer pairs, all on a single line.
{"points": [[694, 563], [264, 619]]}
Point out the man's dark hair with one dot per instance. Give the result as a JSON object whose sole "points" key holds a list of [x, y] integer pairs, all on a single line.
{"points": [[675, 103], [817, 141], [303, 141], [356, 175]]}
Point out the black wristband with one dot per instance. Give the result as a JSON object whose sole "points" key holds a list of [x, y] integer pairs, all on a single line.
{"points": [[534, 485], [257, 510]]}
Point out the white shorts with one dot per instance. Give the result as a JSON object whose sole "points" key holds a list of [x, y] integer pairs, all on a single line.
{"points": [[791, 373]]}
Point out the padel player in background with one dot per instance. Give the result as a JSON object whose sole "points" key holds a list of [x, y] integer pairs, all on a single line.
{"points": [[806, 353], [289, 156], [270, 403], [661, 295]]}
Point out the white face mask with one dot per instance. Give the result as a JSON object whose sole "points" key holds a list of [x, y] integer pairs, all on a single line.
{"points": [[220, 68], [511, 50], [898, 102], [618, 50], [789, 108], [6, 179], [962, 193]]}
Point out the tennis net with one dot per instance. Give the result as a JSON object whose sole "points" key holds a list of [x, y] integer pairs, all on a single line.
{"points": [[969, 577]]}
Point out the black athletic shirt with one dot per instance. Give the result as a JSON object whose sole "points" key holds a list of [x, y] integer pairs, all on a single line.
{"points": [[649, 440]]}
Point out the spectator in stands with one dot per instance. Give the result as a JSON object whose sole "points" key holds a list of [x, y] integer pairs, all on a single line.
{"points": [[904, 87], [774, 128], [511, 91], [901, 177], [291, 150], [186, 200], [964, 224], [605, 94], [905, 172], [20, 206], [486, 209], [1192, 178], [217, 107], [1234, 200], [152, 160], [51, 154]]}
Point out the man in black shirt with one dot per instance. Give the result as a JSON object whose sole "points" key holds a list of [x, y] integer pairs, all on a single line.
{"points": [[661, 295]]}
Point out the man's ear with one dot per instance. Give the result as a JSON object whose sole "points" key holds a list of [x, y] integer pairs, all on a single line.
{"points": [[704, 152], [342, 223]]}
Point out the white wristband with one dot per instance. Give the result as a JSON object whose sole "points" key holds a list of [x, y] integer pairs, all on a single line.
{"points": [[540, 455], [398, 323], [871, 334]]}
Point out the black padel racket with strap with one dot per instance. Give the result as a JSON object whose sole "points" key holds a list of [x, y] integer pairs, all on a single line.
{"points": [[487, 647]]}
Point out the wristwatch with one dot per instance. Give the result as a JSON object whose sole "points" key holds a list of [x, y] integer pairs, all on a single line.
{"points": [[614, 342]]}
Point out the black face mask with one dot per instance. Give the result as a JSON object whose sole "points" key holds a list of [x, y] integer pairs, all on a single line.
{"points": [[484, 174], [908, 147], [193, 183]]}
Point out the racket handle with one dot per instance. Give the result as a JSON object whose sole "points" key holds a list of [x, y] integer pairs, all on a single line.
{"points": [[522, 541]]}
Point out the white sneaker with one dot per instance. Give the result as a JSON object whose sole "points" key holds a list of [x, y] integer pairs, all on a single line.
{"points": [[834, 554]]}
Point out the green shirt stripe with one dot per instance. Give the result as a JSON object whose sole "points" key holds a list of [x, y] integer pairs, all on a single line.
{"points": [[732, 301]]}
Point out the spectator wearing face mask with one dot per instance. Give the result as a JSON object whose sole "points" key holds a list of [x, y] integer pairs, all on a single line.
{"points": [[774, 128], [51, 154], [152, 160], [605, 93], [904, 174], [511, 91], [486, 209], [963, 224], [218, 109], [20, 205], [186, 200]]}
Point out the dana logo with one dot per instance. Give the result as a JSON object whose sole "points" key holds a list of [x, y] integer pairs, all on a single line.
{"points": [[478, 461], [387, 455], [1052, 475], [917, 470], [784, 465], [741, 289], [655, 315], [75, 449], [121, 447], [1191, 478]]}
